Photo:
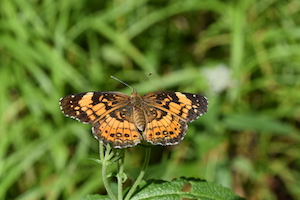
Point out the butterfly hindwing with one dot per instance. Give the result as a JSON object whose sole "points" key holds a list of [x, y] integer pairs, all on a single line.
{"points": [[118, 129], [163, 128]]}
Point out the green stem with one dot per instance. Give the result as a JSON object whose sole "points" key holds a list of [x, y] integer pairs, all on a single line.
{"points": [[141, 175], [120, 176], [105, 157]]}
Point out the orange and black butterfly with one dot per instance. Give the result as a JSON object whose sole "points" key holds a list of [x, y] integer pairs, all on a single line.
{"points": [[124, 121]]}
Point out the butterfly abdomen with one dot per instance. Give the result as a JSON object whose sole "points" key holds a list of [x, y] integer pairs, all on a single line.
{"points": [[138, 113], [139, 118]]}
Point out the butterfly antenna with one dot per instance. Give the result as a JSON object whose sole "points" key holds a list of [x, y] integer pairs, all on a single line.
{"points": [[122, 82], [144, 79]]}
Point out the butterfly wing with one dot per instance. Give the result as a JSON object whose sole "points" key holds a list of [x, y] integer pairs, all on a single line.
{"points": [[118, 128], [167, 115], [110, 114]]}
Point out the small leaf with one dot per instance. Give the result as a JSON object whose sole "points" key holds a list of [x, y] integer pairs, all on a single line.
{"points": [[184, 188], [96, 160]]}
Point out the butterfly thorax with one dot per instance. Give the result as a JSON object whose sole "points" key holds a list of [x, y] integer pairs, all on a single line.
{"points": [[138, 114]]}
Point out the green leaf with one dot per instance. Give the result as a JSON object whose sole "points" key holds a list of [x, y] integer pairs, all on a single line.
{"points": [[95, 197], [187, 188]]}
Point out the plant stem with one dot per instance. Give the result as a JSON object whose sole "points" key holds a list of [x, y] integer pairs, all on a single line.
{"points": [[105, 157], [120, 177], [141, 175]]}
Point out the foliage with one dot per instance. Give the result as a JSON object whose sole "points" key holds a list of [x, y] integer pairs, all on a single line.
{"points": [[181, 188], [243, 55]]}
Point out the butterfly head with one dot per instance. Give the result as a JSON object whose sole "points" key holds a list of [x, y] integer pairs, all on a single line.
{"points": [[136, 98]]}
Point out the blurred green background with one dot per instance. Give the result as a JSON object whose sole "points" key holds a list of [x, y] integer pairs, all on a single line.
{"points": [[243, 55]]}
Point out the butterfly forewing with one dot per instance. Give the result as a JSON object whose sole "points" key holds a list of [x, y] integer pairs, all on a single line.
{"points": [[91, 106], [186, 106]]}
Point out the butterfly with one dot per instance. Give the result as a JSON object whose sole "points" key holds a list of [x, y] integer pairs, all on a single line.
{"points": [[124, 121]]}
